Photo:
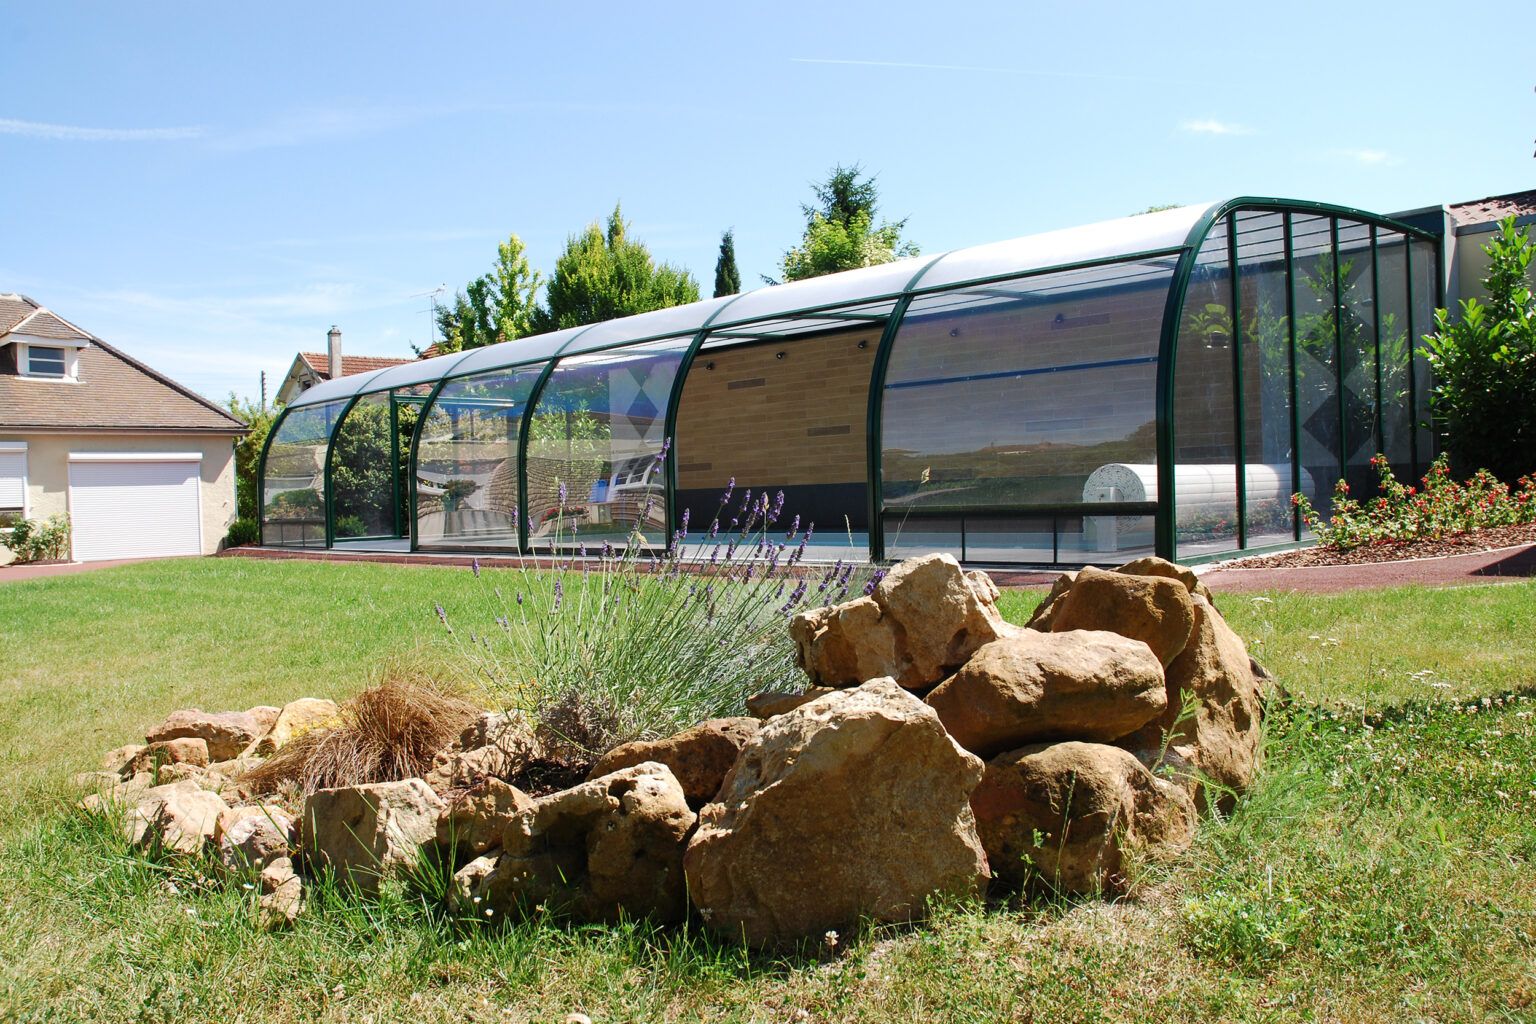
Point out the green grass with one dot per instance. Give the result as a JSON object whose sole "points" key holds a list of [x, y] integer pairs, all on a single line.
{"points": [[1382, 870]]}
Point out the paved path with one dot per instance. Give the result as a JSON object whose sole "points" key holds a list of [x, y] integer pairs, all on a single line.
{"points": [[18, 573], [1504, 565]]}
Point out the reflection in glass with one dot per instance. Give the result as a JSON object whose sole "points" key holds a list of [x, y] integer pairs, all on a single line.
{"points": [[1317, 379], [1357, 344], [293, 478], [594, 439], [1396, 353], [466, 461], [1269, 517]]}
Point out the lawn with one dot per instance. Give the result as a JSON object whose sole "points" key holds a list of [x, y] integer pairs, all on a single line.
{"points": [[1382, 869]]}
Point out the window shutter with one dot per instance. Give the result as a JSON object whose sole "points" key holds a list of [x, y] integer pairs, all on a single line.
{"points": [[13, 470]]}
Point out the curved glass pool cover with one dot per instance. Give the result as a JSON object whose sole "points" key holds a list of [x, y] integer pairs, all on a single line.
{"points": [[1157, 384]]}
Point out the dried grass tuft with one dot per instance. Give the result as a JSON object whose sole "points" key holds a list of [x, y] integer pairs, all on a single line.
{"points": [[389, 732]]}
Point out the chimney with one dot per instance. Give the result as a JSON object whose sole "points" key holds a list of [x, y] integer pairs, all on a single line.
{"points": [[333, 349]]}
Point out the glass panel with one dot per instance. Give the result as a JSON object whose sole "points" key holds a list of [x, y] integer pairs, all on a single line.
{"points": [[341, 387], [415, 372], [466, 461], [595, 435], [293, 478], [906, 537], [1396, 397], [1317, 379], [1016, 394], [535, 349], [1357, 344], [364, 489], [781, 411], [1204, 407], [1149, 232], [850, 286], [1425, 295], [45, 362], [1266, 341], [672, 321]]}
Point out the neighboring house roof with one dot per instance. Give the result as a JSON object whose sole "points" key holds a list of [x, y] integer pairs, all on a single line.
{"points": [[320, 363], [1494, 208], [114, 391]]}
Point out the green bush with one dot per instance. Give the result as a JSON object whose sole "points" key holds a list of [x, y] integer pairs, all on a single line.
{"points": [[241, 532], [351, 526], [1485, 366], [1402, 513], [32, 540]]}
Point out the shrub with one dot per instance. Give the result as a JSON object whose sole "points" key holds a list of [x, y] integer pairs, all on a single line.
{"points": [[241, 532], [1485, 365], [646, 639], [31, 540], [1440, 507], [388, 732], [351, 526]]}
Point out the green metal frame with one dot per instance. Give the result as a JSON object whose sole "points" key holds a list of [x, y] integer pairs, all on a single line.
{"points": [[1166, 531], [716, 325]]}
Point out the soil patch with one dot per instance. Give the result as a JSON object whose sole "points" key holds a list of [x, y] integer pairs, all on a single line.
{"points": [[1490, 539]]}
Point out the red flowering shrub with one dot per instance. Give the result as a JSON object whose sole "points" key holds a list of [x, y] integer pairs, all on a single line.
{"points": [[1440, 507]]}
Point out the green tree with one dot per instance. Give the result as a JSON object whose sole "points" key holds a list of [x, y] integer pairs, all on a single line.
{"points": [[727, 277], [604, 274], [497, 306], [248, 451], [840, 231], [1484, 398]]}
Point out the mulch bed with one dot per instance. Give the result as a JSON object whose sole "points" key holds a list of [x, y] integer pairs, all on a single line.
{"points": [[1491, 539]]}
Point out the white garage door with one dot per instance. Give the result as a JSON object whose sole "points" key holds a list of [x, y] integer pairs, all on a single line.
{"points": [[138, 507]]}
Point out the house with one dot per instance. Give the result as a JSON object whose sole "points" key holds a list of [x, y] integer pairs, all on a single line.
{"points": [[311, 368], [1465, 228], [142, 466]]}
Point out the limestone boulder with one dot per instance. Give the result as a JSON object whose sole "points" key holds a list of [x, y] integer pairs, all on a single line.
{"points": [[474, 819], [698, 757], [1155, 610], [1151, 565], [1033, 686], [607, 848], [775, 702], [117, 760], [922, 621], [282, 895], [227, 733], [176, 818], [1045, 611], [251, 836], [853, 805], [265, 717], [495, 746], [1209, 729], [294, 720], [187, 750], [1068, 816], [366, 833]]}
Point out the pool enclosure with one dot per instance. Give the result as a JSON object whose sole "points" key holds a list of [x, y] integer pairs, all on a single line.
{"points": [[1156, 384]]}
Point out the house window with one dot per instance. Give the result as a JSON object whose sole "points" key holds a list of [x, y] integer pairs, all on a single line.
{"points": [[13, 483], [45, 362]]}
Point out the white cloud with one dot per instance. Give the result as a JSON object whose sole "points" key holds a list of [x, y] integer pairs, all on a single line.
{"points": [[77, 133], [1211, 126]]}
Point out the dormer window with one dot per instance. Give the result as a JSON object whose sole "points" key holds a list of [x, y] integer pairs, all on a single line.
{"points": [[44, 361]]}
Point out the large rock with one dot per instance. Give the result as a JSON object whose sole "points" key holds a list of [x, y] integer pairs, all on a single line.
{"points": [[1155, 610], [1067, 815], [251, 836], [607, 848], [179, 817], [474, 820], [188, 750], [1210, 727], [365, 833], [699, 757], [227, 733], [1087, 684], [923, 620], [1045, 611], [295, 719], [494, 746], [854, 805], [776, 702], [1151, 565]]}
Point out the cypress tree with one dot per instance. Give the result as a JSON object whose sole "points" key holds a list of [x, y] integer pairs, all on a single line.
{"points": [[727, 276]]}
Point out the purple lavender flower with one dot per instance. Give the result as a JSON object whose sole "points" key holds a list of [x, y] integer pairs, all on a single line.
{"points": [[684, 531], [582, 550], [778, 508], [607, 550], [874, 581], [442, 616], [559, 594], [714, 529], [514, 517], [730, 485], [562, 494], [810, 529], [519, 597], [474, 567], [794, 528]]}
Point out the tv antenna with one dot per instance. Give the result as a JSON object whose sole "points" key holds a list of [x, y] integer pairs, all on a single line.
{"points": [[432, 311]]}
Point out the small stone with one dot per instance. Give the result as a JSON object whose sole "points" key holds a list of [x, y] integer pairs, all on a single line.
{"points": [[282, 895], [226, 732], [179, 817], [187, 750], [295, 719]]}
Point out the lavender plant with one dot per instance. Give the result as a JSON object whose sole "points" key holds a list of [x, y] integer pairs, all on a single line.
{"points": [[603, 644]]}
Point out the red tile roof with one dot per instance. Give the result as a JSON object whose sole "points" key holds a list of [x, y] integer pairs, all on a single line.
{"points": [[320, 363], [1494, 208]]}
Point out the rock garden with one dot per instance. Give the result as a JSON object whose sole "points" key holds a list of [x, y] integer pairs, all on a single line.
{"points": [[934, 752]]}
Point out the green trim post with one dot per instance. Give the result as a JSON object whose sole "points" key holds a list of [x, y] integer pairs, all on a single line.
{"points": [[1413, 375], [1381, 420], [1290, 328], [330, 456], [261, 479], [1338, 347], [1239, 432]]}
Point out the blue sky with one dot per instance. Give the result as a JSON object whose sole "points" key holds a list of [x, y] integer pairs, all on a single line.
{"points": [[211, 186]]}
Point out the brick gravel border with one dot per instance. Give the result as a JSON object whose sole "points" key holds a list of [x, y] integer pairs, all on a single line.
{"points": [[1500, 566]]}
